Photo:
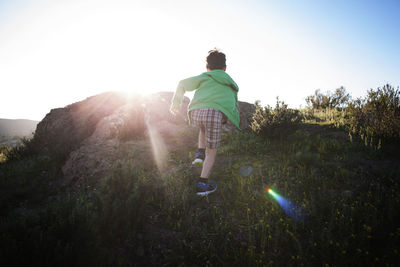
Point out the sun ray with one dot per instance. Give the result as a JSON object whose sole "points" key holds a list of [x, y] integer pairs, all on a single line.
{"points": [[158, 146]]}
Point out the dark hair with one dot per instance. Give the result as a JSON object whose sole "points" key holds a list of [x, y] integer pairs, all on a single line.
{"points": [[216, 60]]}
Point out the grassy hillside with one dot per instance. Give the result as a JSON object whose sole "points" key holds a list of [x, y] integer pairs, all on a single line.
{"points": [[344, 208]]}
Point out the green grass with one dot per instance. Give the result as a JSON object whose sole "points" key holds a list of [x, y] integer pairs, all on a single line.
{"points": [[140, 217]]}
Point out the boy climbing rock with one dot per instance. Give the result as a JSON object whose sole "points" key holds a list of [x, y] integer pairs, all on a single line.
{"points": [[215, 100]]}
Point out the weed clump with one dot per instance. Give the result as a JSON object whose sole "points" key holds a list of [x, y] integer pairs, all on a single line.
{"points": [[275, 123]]}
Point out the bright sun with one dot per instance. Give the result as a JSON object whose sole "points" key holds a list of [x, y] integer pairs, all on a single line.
{"points": [[104, 48]]}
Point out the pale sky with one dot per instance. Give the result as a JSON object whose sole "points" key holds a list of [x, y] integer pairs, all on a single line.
{"points": [[54, 53]]}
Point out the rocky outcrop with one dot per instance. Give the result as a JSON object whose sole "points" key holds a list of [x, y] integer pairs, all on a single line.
{"points": [[63, 129], [90, 136], [150, 121]]}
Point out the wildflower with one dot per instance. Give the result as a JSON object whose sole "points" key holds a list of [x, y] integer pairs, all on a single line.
{"points": [[366, 227]]}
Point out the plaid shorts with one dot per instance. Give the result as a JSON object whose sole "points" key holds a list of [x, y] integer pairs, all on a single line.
{"points": [[209, 120]]}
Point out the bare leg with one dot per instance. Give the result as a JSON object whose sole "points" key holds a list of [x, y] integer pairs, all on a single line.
{"points": [[208, 163], [202, 138]]}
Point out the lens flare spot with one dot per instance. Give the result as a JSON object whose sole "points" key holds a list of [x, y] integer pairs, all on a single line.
{"points": [[290, 208]]}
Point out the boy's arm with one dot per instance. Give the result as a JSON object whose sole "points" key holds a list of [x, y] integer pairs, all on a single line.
{"points": [[188, 84]]}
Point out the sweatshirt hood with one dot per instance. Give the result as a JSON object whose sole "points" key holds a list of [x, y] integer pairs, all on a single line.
{"points": [[221, 77]]}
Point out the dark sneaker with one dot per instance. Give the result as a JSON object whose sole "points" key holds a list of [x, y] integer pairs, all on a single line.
{"points": [[204, 189], [198, 159]]}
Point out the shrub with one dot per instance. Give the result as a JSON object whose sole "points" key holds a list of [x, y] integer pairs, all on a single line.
{"points": [[3, 157], [376, 118], [20, 152], [278, 122], [26, 182], [337, 99]]}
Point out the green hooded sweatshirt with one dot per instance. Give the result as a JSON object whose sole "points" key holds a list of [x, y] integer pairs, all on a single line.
{"points": [[214, 89]]}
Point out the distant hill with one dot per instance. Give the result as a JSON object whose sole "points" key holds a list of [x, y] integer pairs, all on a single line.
{"points": [[17, 127]]}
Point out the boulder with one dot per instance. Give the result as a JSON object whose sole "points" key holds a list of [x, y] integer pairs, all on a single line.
{"points": [[90, 136]]}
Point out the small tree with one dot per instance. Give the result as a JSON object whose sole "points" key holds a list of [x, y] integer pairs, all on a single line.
{"points": [[339, 98]]}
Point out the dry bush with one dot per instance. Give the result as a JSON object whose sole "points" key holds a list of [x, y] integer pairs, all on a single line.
{"points": [[376, 117]]}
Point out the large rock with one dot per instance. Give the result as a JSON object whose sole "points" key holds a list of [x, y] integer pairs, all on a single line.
{"points": [[153, 125], [246, 111], [63, 129], [90, 136]]}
